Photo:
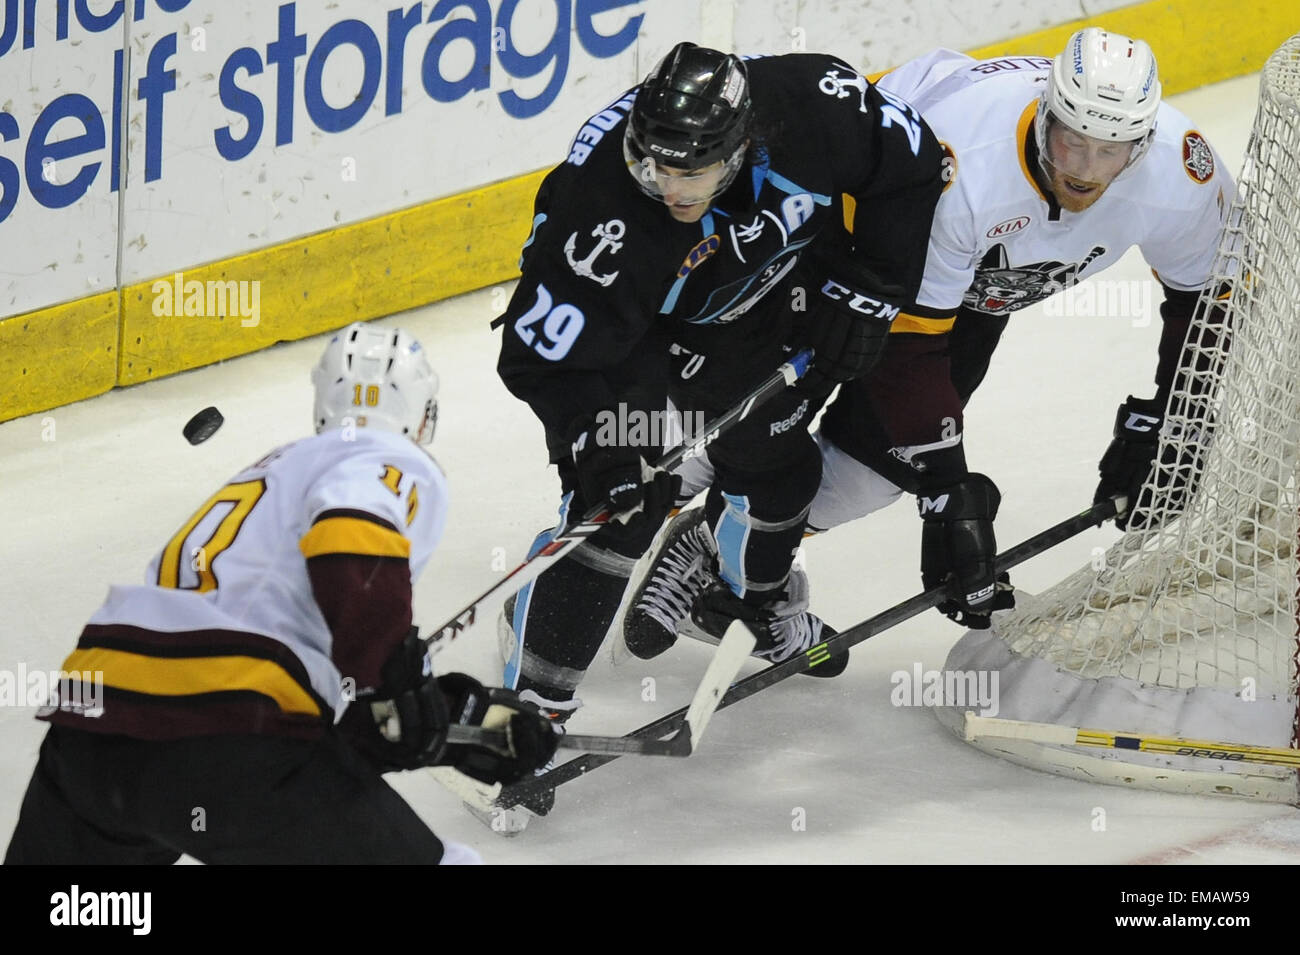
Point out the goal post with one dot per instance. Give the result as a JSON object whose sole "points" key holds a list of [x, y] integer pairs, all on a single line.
{"points": [[1189, 626]]}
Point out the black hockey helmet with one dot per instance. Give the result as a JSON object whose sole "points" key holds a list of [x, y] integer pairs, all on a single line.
{"points": [[693, 110]]}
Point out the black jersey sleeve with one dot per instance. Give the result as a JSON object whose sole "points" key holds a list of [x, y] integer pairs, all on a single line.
{"points": [[886, 160], [584, 303], [894, 202]]}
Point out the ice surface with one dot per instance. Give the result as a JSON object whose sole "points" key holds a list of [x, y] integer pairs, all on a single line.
{"points": [[807, 771]]}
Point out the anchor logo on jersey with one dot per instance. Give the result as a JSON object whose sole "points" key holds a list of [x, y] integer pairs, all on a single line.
{"points": [[609, 233], [833, 84], [1000, 288]]}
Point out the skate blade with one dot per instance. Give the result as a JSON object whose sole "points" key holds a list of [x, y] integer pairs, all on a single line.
{"points": [[504, 822]]}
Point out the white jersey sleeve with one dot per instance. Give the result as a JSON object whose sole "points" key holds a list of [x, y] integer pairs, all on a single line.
{"points": [[923, 81], [1198, 192], [392, 480]]}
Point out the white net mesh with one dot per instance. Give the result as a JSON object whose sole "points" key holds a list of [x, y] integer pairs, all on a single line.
{"points": [[1191, 620]]}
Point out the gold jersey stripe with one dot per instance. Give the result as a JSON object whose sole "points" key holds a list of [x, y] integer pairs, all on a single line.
{"points": [[353, 535], [921, 325], [1022, 132], [187, 676]]}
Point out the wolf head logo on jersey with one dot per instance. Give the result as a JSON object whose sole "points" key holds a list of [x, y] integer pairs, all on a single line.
{"points": [[1198, 158], [998, 288]]}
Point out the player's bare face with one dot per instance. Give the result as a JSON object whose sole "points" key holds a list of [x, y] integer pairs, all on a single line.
{"points": [[688, 192], [1080, 167]]}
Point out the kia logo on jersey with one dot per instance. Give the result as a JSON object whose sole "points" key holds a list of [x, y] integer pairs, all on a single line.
{"points": [[1007, 227]]}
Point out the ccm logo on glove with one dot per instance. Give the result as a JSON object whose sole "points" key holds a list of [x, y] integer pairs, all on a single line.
{"points": [[859, 302], [1140, 422]]}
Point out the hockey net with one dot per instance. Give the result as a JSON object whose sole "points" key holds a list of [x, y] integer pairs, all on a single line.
{"points": [[1188, 628]]}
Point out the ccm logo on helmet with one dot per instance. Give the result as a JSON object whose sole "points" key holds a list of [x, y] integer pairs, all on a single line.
{"points": [[673, 153], [859, 302]]}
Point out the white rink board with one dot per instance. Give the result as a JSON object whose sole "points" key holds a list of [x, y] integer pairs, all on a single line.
{"points": [[511, 80], [876, 35], [268, 135], [58, 177]]}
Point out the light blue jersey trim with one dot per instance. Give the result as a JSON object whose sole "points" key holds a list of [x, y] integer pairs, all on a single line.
{"points": [[537, 222], [789, 188], [732, 535]]}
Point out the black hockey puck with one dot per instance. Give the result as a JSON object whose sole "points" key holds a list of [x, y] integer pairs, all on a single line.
{"points": [[203, 425]]}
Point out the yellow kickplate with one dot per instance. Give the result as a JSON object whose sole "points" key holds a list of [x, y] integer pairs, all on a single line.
{"points": [[57, 355]]}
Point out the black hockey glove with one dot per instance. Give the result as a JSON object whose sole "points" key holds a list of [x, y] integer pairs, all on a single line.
{"points": [[403, 724], [850, 311], [1126, 465], [617, 476], [531, 736], [958, 548], [1129, 461]]}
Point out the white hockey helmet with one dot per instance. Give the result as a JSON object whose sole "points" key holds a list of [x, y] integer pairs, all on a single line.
{"points": [[1105, 86], [376, 378]]}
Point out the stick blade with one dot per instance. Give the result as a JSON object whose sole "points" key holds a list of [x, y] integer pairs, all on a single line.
{"points": [[988, 727], [736, 646], [472, 792]]}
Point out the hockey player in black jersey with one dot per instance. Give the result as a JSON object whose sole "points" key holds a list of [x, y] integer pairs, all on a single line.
{"points": [[1059, 166], [694, 237]]}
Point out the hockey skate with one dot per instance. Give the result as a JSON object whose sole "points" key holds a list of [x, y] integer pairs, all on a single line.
{"points": [[784, 627], [682, 567]]}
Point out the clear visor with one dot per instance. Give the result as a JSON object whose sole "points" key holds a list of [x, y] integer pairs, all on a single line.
{"points": [[1084, 158], [683, 187]]}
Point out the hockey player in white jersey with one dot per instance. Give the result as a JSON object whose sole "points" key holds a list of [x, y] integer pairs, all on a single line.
{"points": [[1056, 168], [268, 671]]}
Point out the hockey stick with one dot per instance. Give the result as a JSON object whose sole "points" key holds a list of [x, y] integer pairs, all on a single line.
{"points": [[483, 799], [987, 727], [737, 644], [1094, 516], [568, 536]]}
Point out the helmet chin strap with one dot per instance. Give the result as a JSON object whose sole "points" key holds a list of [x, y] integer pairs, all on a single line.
{"points": [[732, 169], [429, 425]]}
